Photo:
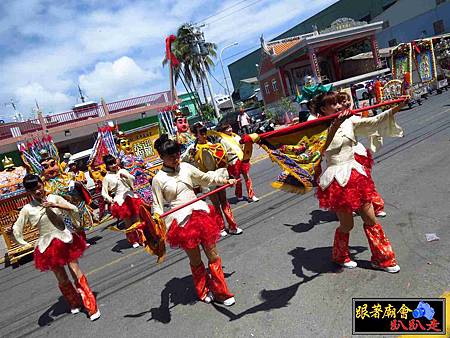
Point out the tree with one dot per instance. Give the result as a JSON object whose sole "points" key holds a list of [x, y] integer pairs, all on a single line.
{"points": [[190, 71]]}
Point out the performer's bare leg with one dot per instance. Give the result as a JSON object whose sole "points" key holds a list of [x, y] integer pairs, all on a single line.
{"points": [[195, 257], [75, 270], [211, 253]]}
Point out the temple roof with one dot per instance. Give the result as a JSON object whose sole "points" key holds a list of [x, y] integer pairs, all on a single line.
{"points": [[280, 46]]}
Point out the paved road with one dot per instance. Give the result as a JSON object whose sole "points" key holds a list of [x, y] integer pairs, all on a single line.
{"points": [[279, 268]]}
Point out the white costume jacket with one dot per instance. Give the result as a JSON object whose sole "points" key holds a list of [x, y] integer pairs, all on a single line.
{"points": [[339, 156], [121, 187], [176, 188], [34, 214]]}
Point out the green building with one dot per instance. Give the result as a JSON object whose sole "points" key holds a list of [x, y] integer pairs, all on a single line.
{"points": [[188, 104], [359, 10]]}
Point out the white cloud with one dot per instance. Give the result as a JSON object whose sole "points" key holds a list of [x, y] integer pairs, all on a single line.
{"points": [[47, 47], [116, 79], [47, 100]]}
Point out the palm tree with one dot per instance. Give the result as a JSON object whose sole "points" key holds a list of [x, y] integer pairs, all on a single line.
{"points": [[190, 71]]}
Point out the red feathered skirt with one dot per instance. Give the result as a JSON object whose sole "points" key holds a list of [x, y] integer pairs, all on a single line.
{"points": [[365, 161], [360, 190], [128, 209], [59, 253], [201, 228]]}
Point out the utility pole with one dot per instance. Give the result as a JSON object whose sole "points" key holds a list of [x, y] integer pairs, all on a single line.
{"points": [[199, 48], [223, 71]]}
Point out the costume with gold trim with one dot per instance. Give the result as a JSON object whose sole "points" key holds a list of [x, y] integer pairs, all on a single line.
{"points": [[42, 158]]}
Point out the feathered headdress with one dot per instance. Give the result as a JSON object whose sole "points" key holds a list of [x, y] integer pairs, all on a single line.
{"points": [[33, 152]]}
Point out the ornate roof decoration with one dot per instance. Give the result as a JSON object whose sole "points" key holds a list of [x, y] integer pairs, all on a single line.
{"points": [[343, 23], [279, 46]]}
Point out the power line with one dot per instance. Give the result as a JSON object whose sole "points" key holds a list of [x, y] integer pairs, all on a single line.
{"points": [[239, 9], [223, 10], [239, 53], [220, 84]]}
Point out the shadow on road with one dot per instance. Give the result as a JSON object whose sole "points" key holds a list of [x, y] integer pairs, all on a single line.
{"points": [[272, 299], [178, 291], [56, 310], [94, 239], [317, 260], [121, 245], [317, 217]]}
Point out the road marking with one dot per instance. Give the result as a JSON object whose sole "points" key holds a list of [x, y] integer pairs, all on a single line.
{"points": [[261, 197], [114, 262], [259, 158]]}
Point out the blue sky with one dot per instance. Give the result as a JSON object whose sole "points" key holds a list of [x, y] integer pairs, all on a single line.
{"points": [[114, 48]]}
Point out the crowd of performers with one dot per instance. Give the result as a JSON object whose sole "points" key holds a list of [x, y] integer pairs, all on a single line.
{"points": [[194, 164]]}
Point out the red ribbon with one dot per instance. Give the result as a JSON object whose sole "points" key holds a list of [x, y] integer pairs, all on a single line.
{"points": [[169, 55]]}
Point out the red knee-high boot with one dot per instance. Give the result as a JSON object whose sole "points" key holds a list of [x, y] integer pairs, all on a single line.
{"points": [[88, 298], [341, 253], [249, 185], [71, 296], [132, 237], [229, 216], [378, 203], [200, 277], [238, 190], [234, 172], [217, 283], [382, 252]]}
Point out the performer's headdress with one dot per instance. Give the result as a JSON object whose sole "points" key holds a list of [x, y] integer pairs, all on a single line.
{"points": [[7, 163], [178, 114], [104, 144], [36, 151]]}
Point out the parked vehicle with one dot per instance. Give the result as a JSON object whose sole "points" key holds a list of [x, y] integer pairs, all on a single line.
{"points": [[263, 126], [81, 159]]}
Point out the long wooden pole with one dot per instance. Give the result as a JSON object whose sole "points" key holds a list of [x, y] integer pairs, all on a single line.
{"points": [[167, 213], [307, 124]]}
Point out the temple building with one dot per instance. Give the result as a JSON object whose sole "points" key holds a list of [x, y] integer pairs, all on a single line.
{"points": [[285, 63]]}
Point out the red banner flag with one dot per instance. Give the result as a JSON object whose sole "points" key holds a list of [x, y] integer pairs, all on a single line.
{"points": [[169, 54]]}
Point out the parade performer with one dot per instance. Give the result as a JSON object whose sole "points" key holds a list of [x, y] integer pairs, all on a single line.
{"points": [[238, 160], [56, 246], [76, 174], [97, 173], [184, 136], [125, 203], [345, 186], [364, 156], [194, 225], [209, 157], [42, 158]]}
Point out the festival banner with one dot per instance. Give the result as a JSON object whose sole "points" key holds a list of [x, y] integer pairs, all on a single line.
{"points": [[298, 150], [425, 60], [402, 62]]}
